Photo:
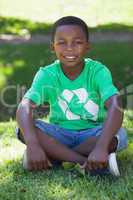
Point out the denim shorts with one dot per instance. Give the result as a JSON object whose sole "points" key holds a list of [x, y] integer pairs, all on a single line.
{"points": [[72, 138]]}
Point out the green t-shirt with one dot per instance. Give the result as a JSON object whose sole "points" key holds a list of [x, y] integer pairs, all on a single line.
{"points": [[74, 104]]}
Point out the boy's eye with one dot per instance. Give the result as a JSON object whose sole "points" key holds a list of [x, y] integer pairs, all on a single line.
{"points": [[75, 42], [61, 42], [78, 42]]}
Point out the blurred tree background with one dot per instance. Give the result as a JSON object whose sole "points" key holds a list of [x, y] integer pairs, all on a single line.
{"points": [[20, 59]]}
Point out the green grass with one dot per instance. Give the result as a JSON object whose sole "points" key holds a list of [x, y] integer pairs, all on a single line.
{"points": [[93, 12], [58, 184], [19, 63]]}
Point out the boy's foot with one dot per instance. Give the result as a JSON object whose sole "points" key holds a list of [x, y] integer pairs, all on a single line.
{"points": [[111, 169], [24, 162], [112, 164], [54, 163]]}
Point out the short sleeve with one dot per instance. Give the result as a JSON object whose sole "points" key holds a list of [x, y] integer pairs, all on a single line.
{"points": [[38, 90], [104, 84]]}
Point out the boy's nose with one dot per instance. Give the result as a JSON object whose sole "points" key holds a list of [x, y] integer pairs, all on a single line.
{"points": [[70, 46]]}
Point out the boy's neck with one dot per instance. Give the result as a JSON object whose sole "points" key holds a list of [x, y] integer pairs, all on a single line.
{"points": [[73, 72]]}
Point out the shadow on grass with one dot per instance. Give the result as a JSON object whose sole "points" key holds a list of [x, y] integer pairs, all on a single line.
{"points": [[12, 25]]}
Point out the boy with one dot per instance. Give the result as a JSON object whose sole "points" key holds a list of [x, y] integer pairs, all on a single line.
{"points": [[80, 91]]}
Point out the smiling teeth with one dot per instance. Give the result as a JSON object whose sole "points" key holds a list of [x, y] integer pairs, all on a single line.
{"points": [[70, 57]]}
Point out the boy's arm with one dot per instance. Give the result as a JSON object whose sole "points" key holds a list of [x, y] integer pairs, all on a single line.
{"points": [[99, 156], [36, 155], [113, 121], [25, 120]]}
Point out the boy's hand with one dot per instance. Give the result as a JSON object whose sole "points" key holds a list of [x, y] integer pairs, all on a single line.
{"points": [[36, 158], [98, 158]]}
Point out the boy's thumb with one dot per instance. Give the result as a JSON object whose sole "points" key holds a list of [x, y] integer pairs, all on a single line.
{"points": [[83, 166], [49, 164]]}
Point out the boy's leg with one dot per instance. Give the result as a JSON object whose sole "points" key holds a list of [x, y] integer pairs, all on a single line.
{"points": [[58, 151], [88, 145], [118, 142], [51, 138]]}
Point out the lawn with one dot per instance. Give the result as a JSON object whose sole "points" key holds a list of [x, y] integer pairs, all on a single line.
{"points": [[58, 184]]}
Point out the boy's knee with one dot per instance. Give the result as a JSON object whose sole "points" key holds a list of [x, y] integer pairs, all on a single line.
{"points": [[122, 139], [19, 135]]}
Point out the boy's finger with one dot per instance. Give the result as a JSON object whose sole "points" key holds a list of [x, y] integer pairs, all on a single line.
{"points": [[49, 164], [83, 166]]}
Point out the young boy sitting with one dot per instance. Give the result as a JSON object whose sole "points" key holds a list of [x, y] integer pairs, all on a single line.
{"points": [[85, 108]]}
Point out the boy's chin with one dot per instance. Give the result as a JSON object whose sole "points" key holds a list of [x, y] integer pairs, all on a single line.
{"points": [[70, 64]]}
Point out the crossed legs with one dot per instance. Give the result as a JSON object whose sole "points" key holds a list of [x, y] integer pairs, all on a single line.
{"points": [[57, 151]]}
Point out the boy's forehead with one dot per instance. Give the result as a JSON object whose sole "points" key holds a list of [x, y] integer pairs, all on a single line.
{"points": [[69, 30]]}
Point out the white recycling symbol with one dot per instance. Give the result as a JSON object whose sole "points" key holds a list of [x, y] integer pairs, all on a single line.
{"points": [[82, 96]]}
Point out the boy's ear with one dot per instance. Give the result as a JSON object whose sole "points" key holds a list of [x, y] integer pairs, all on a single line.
{"points": [[52, 46], [88, 47]]}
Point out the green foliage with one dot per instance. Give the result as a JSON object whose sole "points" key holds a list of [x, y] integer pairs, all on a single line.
{"points": [[16, 26]]}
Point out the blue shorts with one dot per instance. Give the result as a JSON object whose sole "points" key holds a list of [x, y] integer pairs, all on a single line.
{"points": [[72, 138]]}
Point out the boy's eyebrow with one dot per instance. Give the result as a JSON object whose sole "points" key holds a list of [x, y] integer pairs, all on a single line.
{"points": [[60, 39], [77, 38]]}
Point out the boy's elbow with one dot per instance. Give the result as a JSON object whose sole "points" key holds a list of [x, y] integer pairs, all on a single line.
{"points": [[18, 111], [24, 109], [114, 102]]}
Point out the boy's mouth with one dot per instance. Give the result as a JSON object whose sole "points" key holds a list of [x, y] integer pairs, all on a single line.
{"points": [[70, 58]]}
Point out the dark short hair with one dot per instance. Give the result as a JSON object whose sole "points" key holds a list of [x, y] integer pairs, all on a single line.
{"points": [[70, 20]]}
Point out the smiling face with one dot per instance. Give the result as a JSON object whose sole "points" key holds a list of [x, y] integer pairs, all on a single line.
{"points": [[70, 45]]}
